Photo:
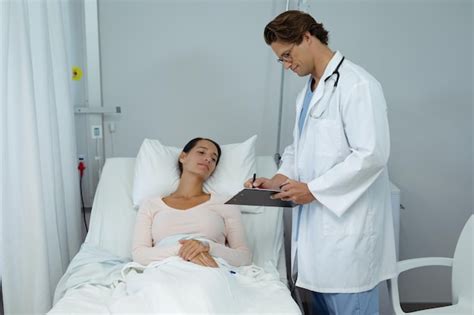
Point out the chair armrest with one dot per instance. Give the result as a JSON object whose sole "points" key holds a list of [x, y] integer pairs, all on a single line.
{"points": [[409, 264]]}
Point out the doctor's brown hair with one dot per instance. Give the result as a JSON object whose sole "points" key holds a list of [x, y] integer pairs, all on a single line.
{"points": [[290, 27]]}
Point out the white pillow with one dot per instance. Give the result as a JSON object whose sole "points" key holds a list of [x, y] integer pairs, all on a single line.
{"points": [[157, 173]]}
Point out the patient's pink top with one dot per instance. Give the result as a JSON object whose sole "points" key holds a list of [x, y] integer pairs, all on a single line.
{"points": [[220, 224]]}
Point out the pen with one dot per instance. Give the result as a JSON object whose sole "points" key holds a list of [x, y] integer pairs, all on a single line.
{"points": [[254, 178]]}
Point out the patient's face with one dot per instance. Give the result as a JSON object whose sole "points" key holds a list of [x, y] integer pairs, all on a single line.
{"points": [[201, 160]]}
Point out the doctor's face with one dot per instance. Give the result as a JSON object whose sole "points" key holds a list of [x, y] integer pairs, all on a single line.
{"points": [[293, 56]]}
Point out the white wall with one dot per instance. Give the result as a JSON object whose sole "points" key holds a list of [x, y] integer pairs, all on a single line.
{"points": [[472, 107], [180, 69]]}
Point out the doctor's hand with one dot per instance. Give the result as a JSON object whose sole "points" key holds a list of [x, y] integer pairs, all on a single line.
{"points": [[260, 182], [265, 183], [297, 192], [190, 249], [204, 259]]}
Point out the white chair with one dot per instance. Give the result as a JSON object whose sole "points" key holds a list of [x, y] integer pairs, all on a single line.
{"points": [[462, 276]]}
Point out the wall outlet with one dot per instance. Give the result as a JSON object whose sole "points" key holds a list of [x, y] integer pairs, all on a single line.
{"points": [[96, 132]]}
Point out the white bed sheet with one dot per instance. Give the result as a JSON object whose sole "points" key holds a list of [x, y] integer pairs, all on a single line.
{"points": [[102, 283], [111, 229], [91, 299]]}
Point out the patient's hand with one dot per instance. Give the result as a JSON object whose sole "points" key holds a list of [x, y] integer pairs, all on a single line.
{"points": [[204, 259], [190, 249]]}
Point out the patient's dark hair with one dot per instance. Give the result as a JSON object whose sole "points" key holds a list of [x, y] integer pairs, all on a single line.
{"points": [[191, 144], [290, 27]]}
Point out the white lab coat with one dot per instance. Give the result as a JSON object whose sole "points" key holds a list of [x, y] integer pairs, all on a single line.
{"points": [[346, 238]]}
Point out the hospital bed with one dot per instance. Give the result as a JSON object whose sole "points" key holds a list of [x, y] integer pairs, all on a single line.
{"points": [[91, 281]]}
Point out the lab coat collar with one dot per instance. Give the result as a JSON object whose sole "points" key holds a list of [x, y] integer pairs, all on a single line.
{"points": [[331, 66]]}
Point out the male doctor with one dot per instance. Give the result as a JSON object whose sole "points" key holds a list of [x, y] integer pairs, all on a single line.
{"points": [[335, 170]]}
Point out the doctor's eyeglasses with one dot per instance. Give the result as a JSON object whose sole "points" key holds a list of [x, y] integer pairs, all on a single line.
{"points": [[286, 56]]}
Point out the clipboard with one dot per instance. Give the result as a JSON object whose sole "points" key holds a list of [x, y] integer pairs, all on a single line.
{"points": [[258, 197]]}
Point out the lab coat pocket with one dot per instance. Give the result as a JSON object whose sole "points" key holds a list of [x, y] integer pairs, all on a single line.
{"points": [[326, 136], [357, 221]]}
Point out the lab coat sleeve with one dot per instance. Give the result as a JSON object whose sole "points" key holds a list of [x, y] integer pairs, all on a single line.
{"points": [[288, 162], [287, 166], [364, 116]]}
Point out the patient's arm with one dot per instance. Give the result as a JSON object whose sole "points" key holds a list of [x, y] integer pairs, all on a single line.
{"points": [[143, 251], [237, 254]]}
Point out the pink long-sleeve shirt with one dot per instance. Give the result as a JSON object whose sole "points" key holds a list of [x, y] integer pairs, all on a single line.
{"points": [[220, 224]]}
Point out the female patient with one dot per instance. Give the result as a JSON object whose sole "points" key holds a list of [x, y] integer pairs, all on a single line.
{"points": [[190, 211]]}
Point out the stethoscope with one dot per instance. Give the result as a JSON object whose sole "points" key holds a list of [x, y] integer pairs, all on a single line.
{"points": [[335, 72], [338, 75]]}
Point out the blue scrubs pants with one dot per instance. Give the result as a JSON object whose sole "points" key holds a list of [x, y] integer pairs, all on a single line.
{"points": [[363, 303]]}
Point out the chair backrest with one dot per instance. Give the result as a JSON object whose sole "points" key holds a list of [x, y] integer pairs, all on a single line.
{"points": [[462, 276]]}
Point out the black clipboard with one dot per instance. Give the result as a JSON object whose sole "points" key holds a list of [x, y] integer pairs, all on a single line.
{"points": [[258, 197]]}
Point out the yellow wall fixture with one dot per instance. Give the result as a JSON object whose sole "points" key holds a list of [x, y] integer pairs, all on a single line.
{"points": [[76, 73]]}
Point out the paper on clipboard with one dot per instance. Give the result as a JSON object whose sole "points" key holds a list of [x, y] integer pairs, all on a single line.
{"points": [[258, 197]]}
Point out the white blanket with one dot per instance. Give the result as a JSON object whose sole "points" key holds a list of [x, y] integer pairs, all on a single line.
{"points": [[110, 285], [91, 266]]}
